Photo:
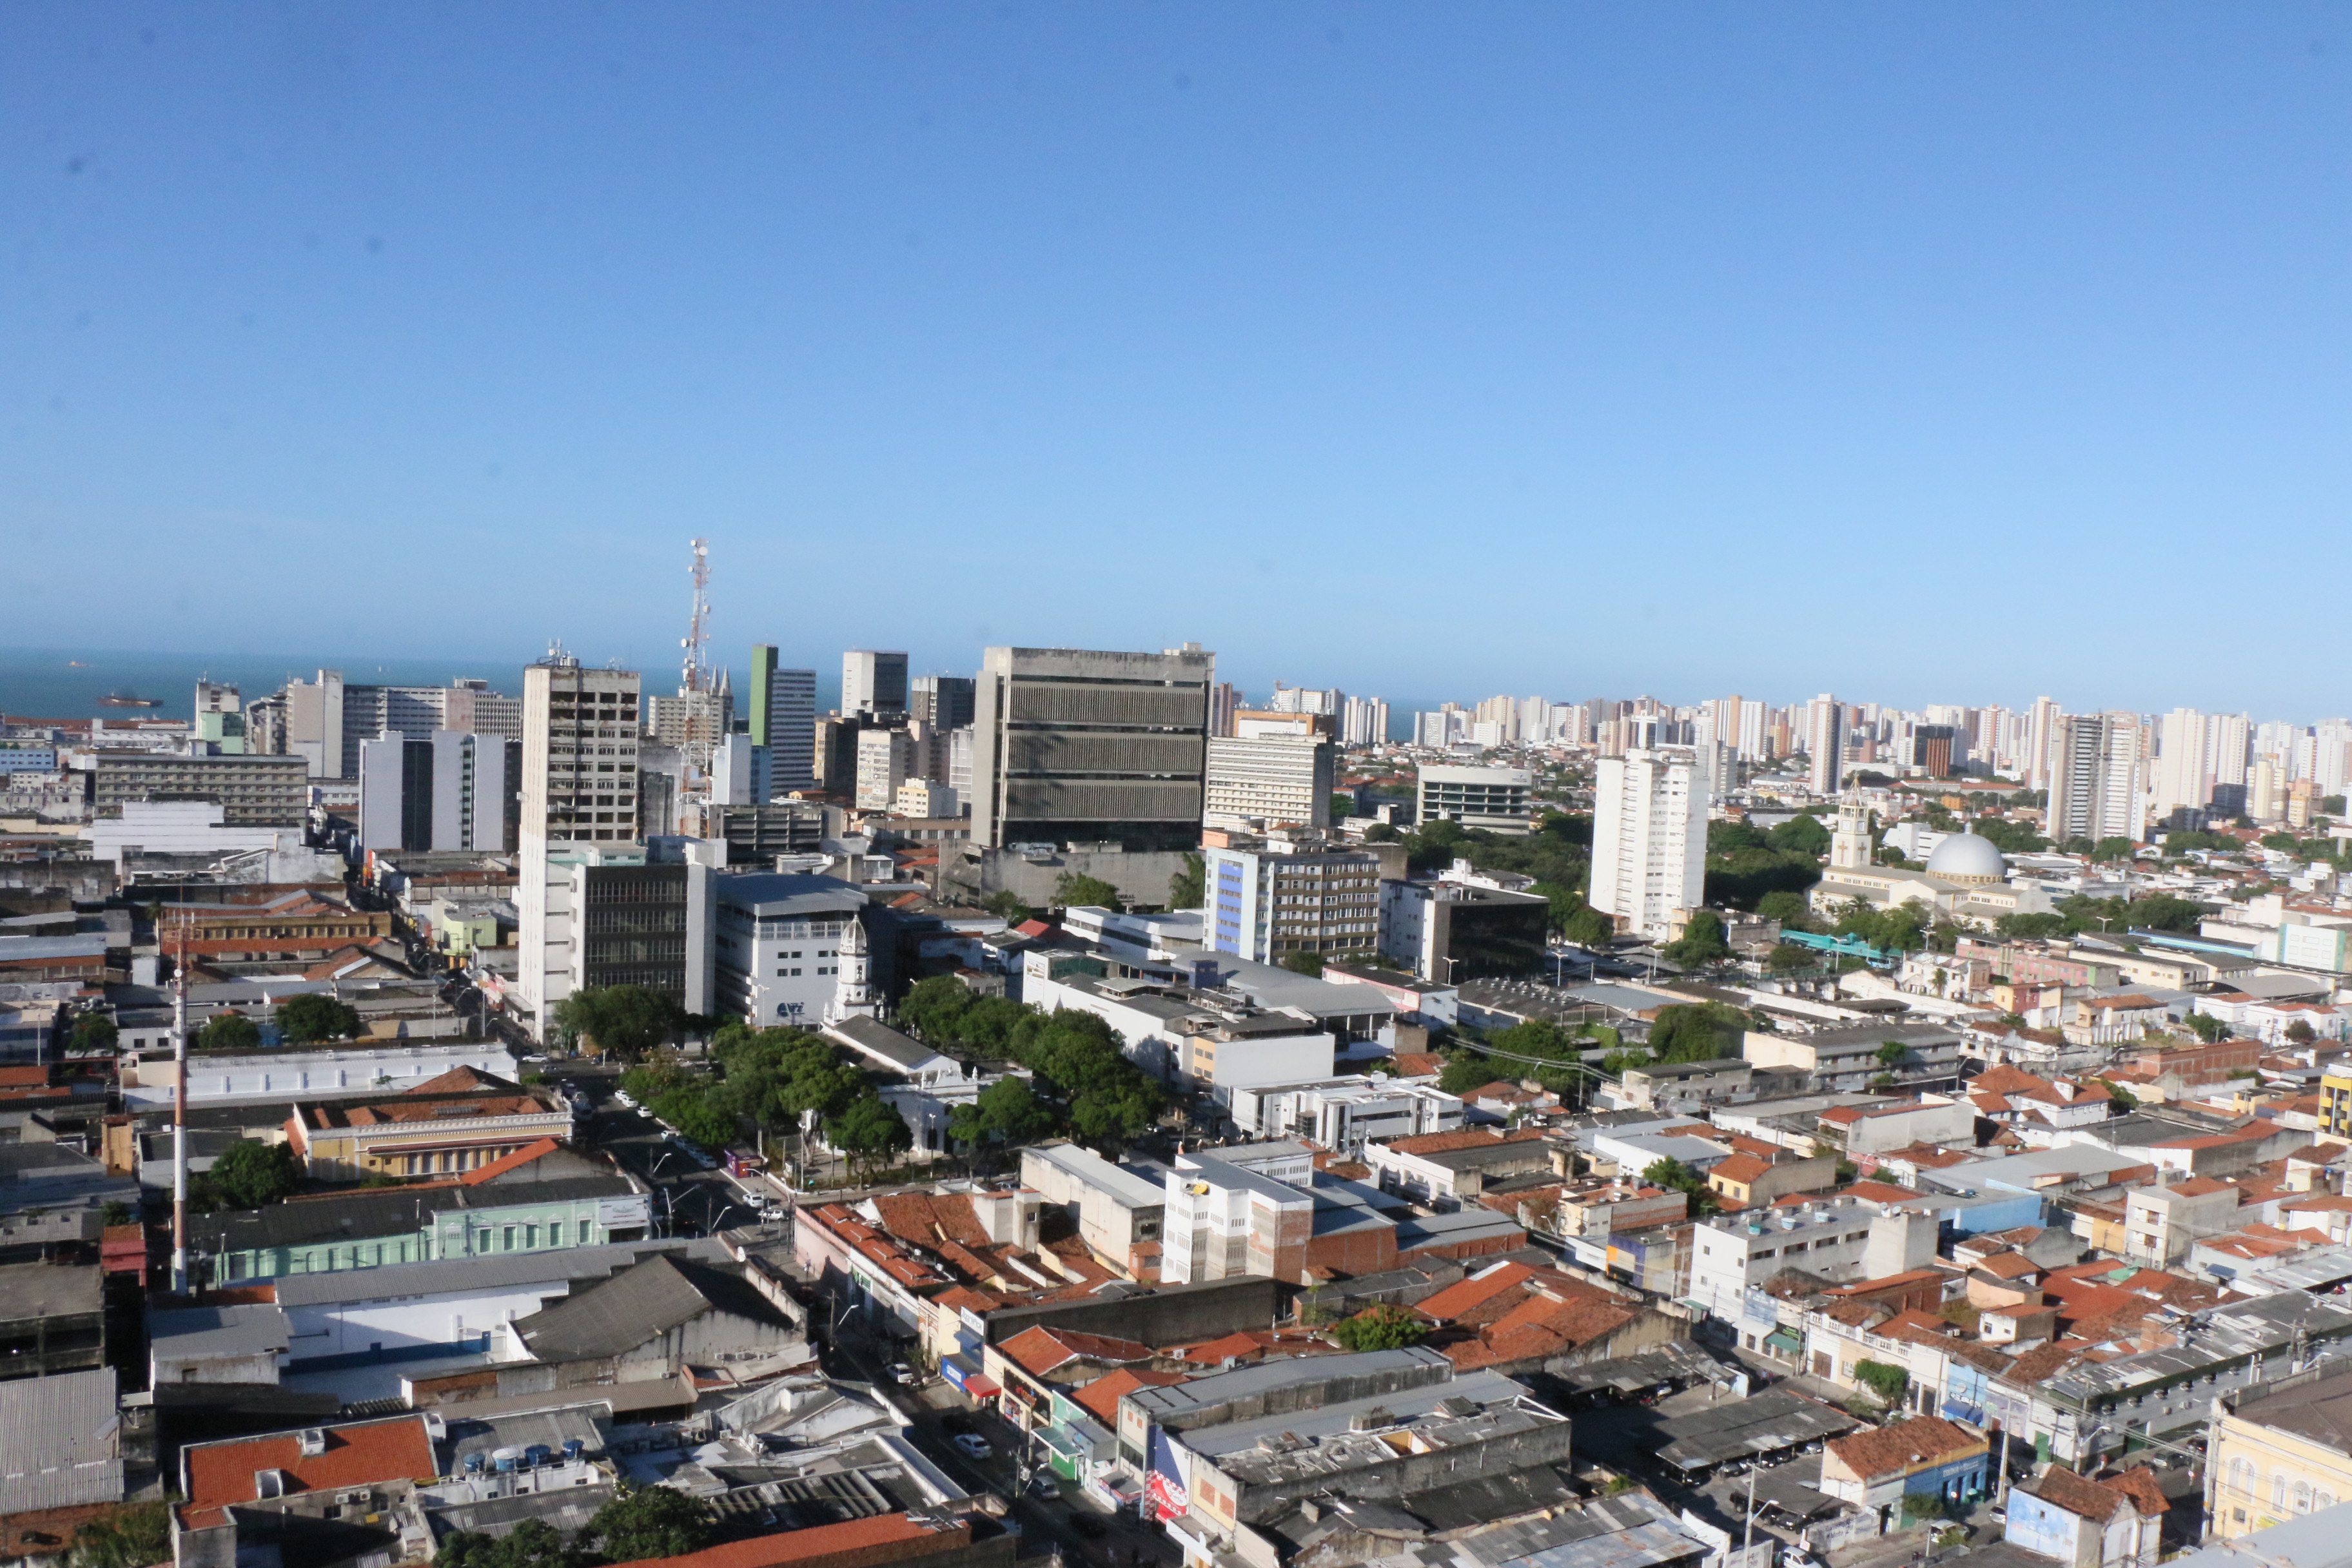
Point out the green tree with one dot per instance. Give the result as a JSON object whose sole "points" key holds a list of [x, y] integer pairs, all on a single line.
{"points": [[113, 1212], [308, 1017], [1702, 940], [1007, 1113], [1890, 1053], [1697, 1032], [1464, 1072], [645, 1522], [1381, 1327], [1188, 889], [1788, 908], [1006, 906], [2332, 803], [1587, 927], [2207, 1027], [1307, 963], [1801, 835], [132, 1536], [1886, 1383], [869, 1131], [2030, 928], [2114, 848], [1343, 805], [534, 1543], [1787, 957], [2301, 1033], [1675, 1176], [94, 1033], [1072, 891], [624, 1021], [228, 1031], [697, 1119], [250, 1175], [2126, 1100]]}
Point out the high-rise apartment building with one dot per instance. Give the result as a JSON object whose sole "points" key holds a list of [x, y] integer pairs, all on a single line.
{"points": [[784, 719], [2041, 742], [1272, 774], [2094, 777], [1225, 701], [448, 791], [252, 792], [325, 719], [1649, 838], [1825, 744], [872, 682], [1305, 700], [1500, 800], [884, 762], [942, 702], [1931, 748], [1363, 722], [1284, 894], [1074, 746]]}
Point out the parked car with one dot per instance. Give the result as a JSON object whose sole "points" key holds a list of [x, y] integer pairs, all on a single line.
{"points": [[1043, 1486], [902, 1374], [972, 1445], [624, 1099]]}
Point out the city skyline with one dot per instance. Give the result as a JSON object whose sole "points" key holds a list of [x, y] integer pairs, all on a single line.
{"points": [[1645, 347]]}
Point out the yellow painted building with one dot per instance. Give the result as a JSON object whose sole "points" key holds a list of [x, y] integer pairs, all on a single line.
{"points": [[2278, 1450], [2335, 1106]]}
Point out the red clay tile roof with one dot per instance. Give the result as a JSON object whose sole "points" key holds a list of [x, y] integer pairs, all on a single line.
{"points": [[514, 1162], [2010, 1265], [2063, 1489], [362, 1453], [1885, 1450], [1039, 1351], [1739, 1169], [1463, 1138], [1463, 1294], [855, 1540], [1102, 1396], [1418, 1064]]}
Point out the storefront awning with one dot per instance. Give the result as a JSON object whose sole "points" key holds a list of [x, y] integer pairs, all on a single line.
{"points": [[1783, 1340], [980, 1385]]}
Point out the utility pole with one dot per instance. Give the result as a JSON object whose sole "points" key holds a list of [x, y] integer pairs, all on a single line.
{"points": [[180, 1109]]}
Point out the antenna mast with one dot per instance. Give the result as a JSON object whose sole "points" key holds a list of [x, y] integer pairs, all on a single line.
{"points": [[695, 675], [180, 1106]]}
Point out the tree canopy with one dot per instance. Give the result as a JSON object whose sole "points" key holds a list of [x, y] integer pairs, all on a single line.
{"points": [[1702, 940], [229, 1031], [134, 1535], [1006, 1112], [1072, 891], [249, 1174], [1381, 1327], [1078, 1060], [624, 1021], [645, 1522], [1306, 963], [305, 1018], [1697, 1032], [1188, 889], [93, 1033]]}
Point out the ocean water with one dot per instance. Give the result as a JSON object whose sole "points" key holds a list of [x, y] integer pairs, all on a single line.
{"points": [[67, 683]]}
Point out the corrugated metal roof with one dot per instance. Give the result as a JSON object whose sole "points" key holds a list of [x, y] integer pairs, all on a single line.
{"points": [[59, 1444], [637, 1304], [470, 1276]]}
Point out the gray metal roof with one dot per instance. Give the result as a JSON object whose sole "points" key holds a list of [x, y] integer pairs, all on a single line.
{"points": [[472, 1276], [59, 1441], [392, 1212], [48, 1290], [568, 1508], [635, 1305], [1762, 1424], [2229, 1333], [1329, 1430], [246, 1330], [2321, 1540], [881, 1041], [1164, 1405], [788, 893], [469, 1433]]}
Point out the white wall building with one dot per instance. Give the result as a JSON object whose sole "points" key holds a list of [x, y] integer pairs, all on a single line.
{"points": [[1268, 781], [1497, 799], [1649, 838], [1837, 1239], [445, 790], [777, 945], [1345, 1113]]}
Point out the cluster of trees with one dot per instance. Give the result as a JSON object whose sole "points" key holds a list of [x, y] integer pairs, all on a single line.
{"points": [[1688, 1032], [1745, 864], [1080, 1071], [132, 1536], [639, 1523], [621, 1021], [1470, 1067], [2160, 912], [247, 1176], [1675, 1176], [1558, 854], [771, 1077], [302, 1021], [1702, 943], [1380, 1328]]}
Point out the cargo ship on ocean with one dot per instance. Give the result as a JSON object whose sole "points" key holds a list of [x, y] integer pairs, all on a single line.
{"points": [[125, 700]]}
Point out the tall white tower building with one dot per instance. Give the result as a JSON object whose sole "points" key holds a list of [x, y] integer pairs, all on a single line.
{"points": [[1649, 838]]}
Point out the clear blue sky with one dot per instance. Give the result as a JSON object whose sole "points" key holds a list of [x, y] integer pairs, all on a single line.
{"points": [[1922, 353]]}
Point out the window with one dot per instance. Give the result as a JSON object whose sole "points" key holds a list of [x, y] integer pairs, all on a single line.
{"points": [[555, 1233], [2278, 1490], [507, 1242], [2303, 1497]]}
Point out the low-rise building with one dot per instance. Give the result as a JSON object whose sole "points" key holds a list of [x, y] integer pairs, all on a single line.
{"points": [[460, 1121], [1753, 1181], [2117, 1522], [1848, 1060], [1120, 1216], [2278, 1449], [1836, 1239], [1446, 1169], [1925, 1458], [1344, 1113]]}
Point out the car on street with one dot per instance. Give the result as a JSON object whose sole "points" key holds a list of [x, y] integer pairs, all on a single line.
{"points": [[902, 1374], [1044, 1488], [624, 1099], [972, 1445]]}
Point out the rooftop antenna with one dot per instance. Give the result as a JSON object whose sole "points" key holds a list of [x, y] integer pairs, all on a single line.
{"points": [[695, 674]]}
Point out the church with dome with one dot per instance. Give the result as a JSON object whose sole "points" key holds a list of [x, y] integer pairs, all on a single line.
{"points": [[1966, 878]]}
